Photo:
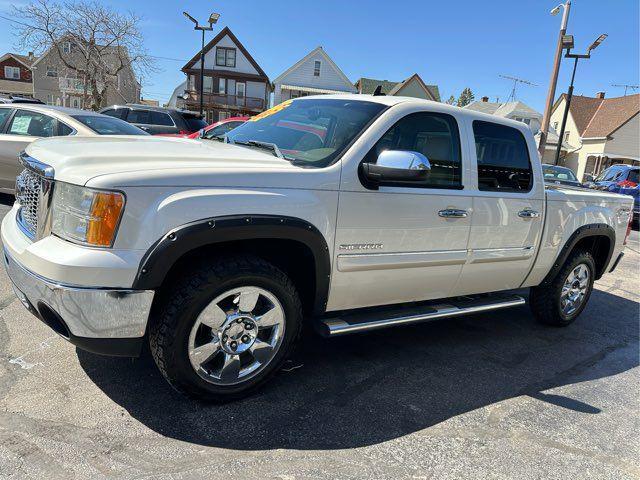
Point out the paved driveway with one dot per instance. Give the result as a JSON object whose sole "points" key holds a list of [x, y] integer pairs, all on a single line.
{"points": [[486, 396]]}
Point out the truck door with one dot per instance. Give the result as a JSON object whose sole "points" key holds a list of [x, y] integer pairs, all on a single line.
{"points": [[403, 242], [508, 209]]}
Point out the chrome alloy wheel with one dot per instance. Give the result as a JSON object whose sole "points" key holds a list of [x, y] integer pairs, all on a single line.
{"points": [[236, 335], [574, 289]]}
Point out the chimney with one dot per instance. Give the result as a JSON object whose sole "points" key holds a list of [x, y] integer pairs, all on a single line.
{"points": [[600, 95], [485, 99]]}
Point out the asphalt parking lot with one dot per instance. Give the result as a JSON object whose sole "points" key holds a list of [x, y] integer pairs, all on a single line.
{"points": [[486, 396]]}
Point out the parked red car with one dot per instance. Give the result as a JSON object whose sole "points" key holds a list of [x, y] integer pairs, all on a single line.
{"points": [[214, 130]]}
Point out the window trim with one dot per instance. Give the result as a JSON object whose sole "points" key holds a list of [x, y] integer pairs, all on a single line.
{"points": [[461, 186], [13, 69], [317, 66], [532, 180], [225, 63]]}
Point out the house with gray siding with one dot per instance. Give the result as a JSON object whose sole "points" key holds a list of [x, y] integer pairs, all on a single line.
{"points": [[234, 84], [314, 74], [412, 86], [55, 83]]}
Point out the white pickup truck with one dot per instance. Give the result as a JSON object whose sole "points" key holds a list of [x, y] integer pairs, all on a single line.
{"points": [[348, 212]]}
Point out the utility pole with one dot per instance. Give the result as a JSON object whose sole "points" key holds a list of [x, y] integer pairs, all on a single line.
{"points": [[544, 129], [213, 18]]}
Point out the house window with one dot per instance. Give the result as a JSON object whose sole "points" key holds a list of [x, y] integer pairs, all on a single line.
{"points": [[207, 85], [222, 86], [566, 137], [555, 126], [223, 115], [50, 100], [66, 47], [52, 71], [240, 89], [12, 73], [316, 68], [225, 57], [75, 102]]}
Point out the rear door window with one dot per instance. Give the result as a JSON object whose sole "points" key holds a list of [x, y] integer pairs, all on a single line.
{"points": [[115, 112], [160, 118], [503, 158], [139, 116]]}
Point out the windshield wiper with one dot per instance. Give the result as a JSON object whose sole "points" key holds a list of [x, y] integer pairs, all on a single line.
{"points": [[272, 147]]}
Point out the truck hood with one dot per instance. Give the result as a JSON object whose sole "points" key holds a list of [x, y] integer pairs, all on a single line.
{"points": [[78, 160]]}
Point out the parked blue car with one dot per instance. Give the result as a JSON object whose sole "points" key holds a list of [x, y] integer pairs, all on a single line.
{"points": [[622, 179]]}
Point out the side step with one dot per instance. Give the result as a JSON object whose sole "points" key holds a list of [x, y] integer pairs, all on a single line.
{"points": [[374, 319]]}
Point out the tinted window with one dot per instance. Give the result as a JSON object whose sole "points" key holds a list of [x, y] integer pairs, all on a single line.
{"points": [[434, 135], [139, 116], [194, 123], [115, 112], [64, 130], [221, 129], [633, 176], [108, 126], [161, 118], [312, 132], [4, 114], [33, 124], [503, 158]]}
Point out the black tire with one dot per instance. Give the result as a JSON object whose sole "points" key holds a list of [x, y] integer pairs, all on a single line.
{"points": [[189, 295], [544, 300]]}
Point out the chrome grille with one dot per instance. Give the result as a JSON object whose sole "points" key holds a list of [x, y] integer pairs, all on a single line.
{"points": [[33, 188]]}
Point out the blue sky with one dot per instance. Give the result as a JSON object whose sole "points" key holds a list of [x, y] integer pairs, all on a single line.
{"points": [[453, 44]]}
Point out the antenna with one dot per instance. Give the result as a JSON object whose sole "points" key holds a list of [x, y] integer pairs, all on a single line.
{"points": [[632, 87], [516, 80]]}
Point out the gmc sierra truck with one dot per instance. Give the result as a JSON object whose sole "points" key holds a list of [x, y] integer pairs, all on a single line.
{"points": [[347, 212]]}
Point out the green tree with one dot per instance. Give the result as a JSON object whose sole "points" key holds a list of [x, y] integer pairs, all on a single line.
{"points": [[466, 97], [451, 101]]}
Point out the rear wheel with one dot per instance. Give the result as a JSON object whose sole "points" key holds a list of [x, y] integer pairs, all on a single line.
{"points": [[226, 328], [561, 301]]}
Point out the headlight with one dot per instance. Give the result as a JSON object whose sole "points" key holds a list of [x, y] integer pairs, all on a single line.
{"points": [[84, 215]]}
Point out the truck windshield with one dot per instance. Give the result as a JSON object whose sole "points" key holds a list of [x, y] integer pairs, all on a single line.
{"points": [[310, 132]]}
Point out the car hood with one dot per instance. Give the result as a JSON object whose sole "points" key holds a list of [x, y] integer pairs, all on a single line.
{"points": [[81, 160]]}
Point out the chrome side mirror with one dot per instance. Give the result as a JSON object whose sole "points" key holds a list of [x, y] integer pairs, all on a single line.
{"points": [[403, 159], [396, 167]]}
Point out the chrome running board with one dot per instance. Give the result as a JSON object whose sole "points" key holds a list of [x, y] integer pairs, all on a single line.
{"points": [[369, 319]]}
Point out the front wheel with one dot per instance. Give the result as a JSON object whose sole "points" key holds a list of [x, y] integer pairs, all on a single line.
{"points": [[226, 328], [561, 301]]}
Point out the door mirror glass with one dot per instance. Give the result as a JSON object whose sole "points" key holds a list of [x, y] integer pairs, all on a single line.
{"points": [[396, 167]]}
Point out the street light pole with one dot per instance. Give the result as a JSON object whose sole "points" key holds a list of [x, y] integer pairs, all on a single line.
{"points": [[544, 130], [576, 57], [213, 18]]}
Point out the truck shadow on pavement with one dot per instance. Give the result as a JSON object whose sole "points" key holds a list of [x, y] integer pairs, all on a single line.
{"points": [[366, 389]]}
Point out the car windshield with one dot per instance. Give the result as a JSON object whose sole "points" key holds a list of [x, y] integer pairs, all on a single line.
{"points": [[558, 173], [609, 174], [310, 132], [104, 125]]}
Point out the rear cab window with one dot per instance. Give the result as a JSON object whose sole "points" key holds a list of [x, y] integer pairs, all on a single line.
{"points": [[503, 158], [161, 118]]}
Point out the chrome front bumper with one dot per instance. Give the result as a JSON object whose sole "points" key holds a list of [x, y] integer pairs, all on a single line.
{"points": [[93, 318]]}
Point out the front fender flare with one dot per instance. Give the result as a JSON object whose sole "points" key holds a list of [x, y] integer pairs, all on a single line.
{"points": [[161, 257]]}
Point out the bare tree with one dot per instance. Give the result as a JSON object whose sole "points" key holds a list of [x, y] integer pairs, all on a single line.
{"points": [[98, 46]]}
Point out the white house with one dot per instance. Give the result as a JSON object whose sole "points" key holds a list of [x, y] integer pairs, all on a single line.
{"points": [[314, 74], [513, 110]]}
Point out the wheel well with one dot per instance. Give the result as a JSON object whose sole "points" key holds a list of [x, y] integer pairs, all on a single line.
{"points": [[292, 257], [599, 246]]}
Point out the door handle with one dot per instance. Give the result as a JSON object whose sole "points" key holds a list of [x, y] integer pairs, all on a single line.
{"points": [[528, 214], [453, 213]]}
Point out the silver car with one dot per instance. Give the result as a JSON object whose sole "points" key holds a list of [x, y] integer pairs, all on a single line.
{"points": [[21, 124]]}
